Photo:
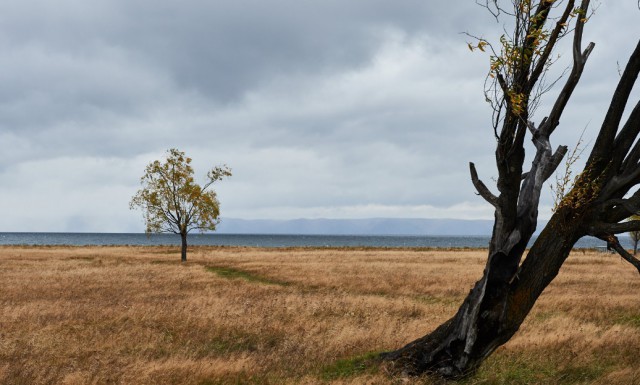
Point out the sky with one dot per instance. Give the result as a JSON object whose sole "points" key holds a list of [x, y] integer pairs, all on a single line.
{"points": [[323, 109]]}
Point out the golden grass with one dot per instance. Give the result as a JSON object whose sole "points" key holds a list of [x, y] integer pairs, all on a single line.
{"points": [[135, 315]]}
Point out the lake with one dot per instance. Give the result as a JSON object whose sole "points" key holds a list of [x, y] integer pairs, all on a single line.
{"points": [[263, 240]]}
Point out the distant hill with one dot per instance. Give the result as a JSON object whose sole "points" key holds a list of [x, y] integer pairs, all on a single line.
{"points": [[372, 226]]}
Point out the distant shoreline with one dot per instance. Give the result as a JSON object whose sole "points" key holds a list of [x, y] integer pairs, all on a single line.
{"points": [[176, 248], [318, 241]]}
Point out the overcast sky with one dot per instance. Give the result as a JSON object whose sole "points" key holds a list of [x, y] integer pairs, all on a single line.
{"points": [[322, 108]]}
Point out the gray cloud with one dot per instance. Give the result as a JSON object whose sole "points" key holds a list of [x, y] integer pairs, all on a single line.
{"points": [[331, 108]]}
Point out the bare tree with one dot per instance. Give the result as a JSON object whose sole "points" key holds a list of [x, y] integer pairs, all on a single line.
{"points": [[597, 204]]}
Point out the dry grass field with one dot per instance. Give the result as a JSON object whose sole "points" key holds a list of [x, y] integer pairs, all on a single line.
{"points": [[135, 315]]}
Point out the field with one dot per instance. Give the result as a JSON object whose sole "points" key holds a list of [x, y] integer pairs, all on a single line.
{"points": [[135, 315]]}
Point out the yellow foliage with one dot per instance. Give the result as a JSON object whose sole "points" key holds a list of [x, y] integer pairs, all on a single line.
{"points": [[171, 200]]}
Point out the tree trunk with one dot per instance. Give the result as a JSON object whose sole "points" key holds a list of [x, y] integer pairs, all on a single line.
{"points": [[492, 312], [635, 245], [596, 205], [183, 250]]}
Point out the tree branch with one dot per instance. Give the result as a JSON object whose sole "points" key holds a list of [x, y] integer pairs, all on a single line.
{"points": [[632, 158], [625, 140], [503, 85], [629, 130], [615, 228], [554, 162], [619, 185], [615, 210], [481, 187], [611, 122], [612, 241], [567, 90], [579, 60], [553, 38]]}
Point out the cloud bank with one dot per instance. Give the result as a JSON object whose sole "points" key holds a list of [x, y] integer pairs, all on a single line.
{"points": [[323, 109]]}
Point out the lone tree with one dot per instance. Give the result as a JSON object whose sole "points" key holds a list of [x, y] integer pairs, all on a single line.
{"points": [[173, 203], [598, 204]]}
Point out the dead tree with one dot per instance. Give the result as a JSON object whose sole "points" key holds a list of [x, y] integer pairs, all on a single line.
{"points": [[597, 204]]}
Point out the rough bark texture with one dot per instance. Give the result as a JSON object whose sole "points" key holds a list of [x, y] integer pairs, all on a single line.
{"points": [[183, 249], [596, 205]]}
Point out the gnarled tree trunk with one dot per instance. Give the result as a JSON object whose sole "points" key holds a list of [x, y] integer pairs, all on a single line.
{"points": [[492, 312], [596, 205]]}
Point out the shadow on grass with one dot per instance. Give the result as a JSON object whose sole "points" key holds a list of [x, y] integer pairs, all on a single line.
{"points": [[240, 341], [231, 273], [81, 258]]}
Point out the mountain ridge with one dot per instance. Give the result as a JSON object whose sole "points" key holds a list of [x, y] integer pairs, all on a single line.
{"points": [[365, 226]]}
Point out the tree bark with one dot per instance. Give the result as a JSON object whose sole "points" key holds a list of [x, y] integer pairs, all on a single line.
{"points": [[597, 205], [183, 251], [492, 312]]}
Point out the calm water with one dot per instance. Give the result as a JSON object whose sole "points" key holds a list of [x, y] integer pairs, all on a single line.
{"points": [[261, 240]]}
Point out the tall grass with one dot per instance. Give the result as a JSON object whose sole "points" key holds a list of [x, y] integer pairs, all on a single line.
{"points": [[136, 315]]}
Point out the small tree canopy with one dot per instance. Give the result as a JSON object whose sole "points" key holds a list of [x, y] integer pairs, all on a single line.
{"points": [[171, 200]]}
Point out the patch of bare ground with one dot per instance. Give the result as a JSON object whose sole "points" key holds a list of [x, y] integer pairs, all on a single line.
{"points": [[136, 315]]}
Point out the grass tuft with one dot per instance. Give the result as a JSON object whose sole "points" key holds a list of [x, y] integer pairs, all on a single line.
{"points": [[580, 374], [351, 367], [509, 369], [543, 368]]}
